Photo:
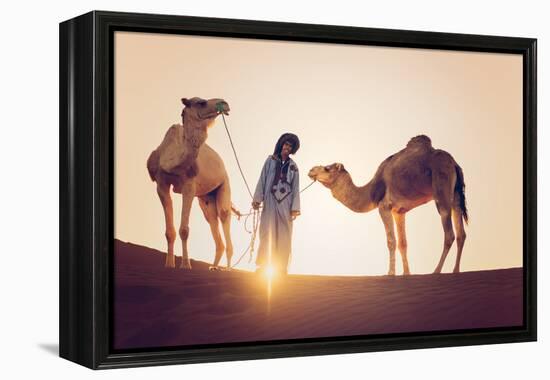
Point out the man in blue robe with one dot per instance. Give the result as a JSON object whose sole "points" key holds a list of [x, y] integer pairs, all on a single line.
{"points": [[279, 190]]}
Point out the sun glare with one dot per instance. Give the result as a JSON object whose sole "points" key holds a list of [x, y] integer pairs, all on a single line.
{"points": [[269, 277], [269, 273]]}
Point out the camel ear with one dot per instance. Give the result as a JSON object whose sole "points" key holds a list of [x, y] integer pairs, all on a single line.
{"points": [[339, 167], [185, 102]]}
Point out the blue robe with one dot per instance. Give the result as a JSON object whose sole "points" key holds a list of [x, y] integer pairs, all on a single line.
{"points": [[280, 196]]}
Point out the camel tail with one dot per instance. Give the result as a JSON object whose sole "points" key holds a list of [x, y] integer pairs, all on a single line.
{"points": [[153, 165], [460, 191], [235, 211]]}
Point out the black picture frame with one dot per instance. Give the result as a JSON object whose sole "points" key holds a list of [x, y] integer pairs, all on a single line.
{"points": [[86, 185]]}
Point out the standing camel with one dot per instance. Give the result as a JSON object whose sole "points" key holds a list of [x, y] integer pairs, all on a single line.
{"points": [[193, 169], [411, 177]]}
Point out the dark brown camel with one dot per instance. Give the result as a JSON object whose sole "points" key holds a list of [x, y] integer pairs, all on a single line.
{"points": [[411, 177]]}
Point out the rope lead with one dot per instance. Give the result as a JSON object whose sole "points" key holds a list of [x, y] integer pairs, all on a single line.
{"points": [[236, 158]]}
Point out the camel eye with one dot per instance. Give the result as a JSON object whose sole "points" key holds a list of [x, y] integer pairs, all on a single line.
{"points": [[327, 168], [202, 103]]}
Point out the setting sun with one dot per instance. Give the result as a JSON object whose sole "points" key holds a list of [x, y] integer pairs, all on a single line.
{"points": [[269, 273]]}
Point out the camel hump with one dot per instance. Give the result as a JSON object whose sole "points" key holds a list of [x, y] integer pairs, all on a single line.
{"points": [[175, 132], [153, 164], [420, 141], [173, 151]]}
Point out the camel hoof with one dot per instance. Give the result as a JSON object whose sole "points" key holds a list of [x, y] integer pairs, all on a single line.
{"points": [[406, 273], [391, 273], [456, 270], [170, 262], [215, 268], [437, 271], [186, 264]]}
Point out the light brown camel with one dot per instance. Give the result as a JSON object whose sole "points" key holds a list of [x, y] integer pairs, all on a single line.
{"points": [[193, 169], [411, 177]]}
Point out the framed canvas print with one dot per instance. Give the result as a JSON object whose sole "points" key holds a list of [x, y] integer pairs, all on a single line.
{"points": [[236, 189]]}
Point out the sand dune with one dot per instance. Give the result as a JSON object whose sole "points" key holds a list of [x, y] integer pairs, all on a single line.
{"points": [[159, 307]]}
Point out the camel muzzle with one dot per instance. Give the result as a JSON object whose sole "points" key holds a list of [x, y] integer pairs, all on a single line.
{"points": [[222, 107], [312, 175]]}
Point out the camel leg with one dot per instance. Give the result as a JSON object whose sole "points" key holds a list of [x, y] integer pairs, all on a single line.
{"points": [[449, 237], [443, 183], [208, 206], [402, 240], [223, 203], [460, 236], [442, 197], [387, 219], [163, 192], [187, 195], [226, 226]]}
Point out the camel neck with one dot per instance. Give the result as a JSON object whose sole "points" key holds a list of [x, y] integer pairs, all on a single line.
{"points": [[195, 134], [356, 198]]}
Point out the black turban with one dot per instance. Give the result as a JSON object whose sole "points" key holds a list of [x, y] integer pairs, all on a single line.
{"points": [[287, 137]]}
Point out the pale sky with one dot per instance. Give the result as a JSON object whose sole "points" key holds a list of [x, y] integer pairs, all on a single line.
{"points": [[350, 104]]}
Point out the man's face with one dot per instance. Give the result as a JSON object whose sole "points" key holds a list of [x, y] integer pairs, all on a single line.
{"points": [[287, 148]]}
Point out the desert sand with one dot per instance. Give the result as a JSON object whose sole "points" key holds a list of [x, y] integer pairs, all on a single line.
{"points": [[159, 307]]}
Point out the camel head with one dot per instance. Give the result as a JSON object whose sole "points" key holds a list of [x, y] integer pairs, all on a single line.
{"points": [[327, 175], [203, 111]]}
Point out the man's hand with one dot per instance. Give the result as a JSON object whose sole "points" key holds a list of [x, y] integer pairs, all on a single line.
{"points": [[256, 205], [294, 214]]}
